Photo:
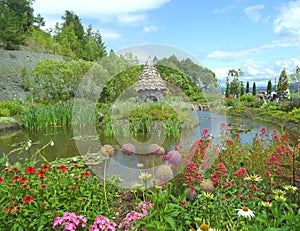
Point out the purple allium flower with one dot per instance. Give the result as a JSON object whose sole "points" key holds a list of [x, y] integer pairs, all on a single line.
{"points": [[173, 157], [103, 223], [164, 173], [207, 186], [153, 149], [191, 193], [128, 149], [107, 150]]}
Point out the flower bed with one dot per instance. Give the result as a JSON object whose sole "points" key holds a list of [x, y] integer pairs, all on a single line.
{"points": [[228, 186]]}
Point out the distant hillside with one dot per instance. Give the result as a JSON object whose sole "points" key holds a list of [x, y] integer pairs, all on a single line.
{"points": [[11, 65]]}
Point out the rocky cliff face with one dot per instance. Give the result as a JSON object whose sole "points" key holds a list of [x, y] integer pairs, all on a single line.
{"points": [[11, 65]]}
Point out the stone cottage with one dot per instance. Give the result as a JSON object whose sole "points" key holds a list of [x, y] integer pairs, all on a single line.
{"points": [[150, 85]]}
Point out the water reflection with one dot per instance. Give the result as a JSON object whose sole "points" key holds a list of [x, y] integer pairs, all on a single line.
{"points": [[65, 145]]}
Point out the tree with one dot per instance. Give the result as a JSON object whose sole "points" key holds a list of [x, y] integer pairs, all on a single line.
{"points": [[295, 78], [242, 88], [283, 83], [70, 18], [254, 89], [227, 93], [247, 87], [16, 17], [269, 87], [235, 85]]}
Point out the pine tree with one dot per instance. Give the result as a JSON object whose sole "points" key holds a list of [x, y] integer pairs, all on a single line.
{"points": [[242, 89], [283, 83], [254, 89], [269, 87], [247, 87]]}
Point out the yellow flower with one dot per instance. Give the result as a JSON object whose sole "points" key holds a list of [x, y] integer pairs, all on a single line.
{"points": [[266, 204], [279, 192], [208, 195], [280, 198], [290, 188]]}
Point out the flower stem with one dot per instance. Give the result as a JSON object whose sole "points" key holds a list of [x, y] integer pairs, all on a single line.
{"points": [[104, 184]]}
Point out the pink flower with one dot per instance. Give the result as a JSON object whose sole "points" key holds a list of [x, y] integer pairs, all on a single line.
{"points": [[239, 196], [224, 198], [241, 173]]}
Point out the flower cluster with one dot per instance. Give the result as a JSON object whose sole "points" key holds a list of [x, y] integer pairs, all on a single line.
{"points": [[69, 221], [134, 215], [103, 223]]}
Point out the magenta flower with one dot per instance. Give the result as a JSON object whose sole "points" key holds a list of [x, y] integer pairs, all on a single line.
{"points": [[103, 223], [128, 149], [173, 157], [69, 221]]}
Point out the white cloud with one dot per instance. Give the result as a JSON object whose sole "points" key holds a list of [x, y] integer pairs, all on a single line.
{"points": [[224, 10], [287, 23], [98, 9], [151, 28], [107, 34], [131, 18], [237, 54], [254, 12]]}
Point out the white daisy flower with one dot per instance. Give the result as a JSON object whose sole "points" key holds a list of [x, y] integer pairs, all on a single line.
{"points": [[145, 176], [245, 212], [253, 178]]}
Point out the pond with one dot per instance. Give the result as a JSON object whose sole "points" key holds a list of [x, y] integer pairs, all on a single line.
{"points": [[66, 145]]}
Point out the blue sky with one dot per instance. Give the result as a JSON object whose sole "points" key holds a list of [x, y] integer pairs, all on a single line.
{"points": [[261, 37]]}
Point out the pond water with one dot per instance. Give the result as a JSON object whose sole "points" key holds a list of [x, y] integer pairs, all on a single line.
{"points": [[66, 145]]}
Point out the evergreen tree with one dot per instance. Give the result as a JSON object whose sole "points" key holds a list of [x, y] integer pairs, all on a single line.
{"points": [[283, 82], [70, 18], [247, 87], [16, 17], [254, 89], [269, 87], [242, 89], [235, 86], [227, 94]]}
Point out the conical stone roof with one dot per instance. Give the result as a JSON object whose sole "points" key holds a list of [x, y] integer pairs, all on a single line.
{"points": [[150, 78]]}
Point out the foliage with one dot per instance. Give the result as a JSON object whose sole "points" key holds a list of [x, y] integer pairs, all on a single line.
{"points": [[16, 17], [247, 98], [247, 87], [10, 108], [202, 77], [269, 87], [254, 89], [283, 83], [57, 79], [41, 116]]}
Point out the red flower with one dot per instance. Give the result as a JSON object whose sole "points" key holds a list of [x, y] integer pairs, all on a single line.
{"points": [[224, 198], [63, 168], [73, 187], [23, 180], [14, 170], [40, 173], [30, 170], [85, 174], [28, 199], [1, 180], [43, 186], [45, 167], [16, 178]]}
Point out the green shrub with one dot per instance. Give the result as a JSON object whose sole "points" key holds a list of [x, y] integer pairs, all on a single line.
{"points": [[10, 108], [247, 98], [230, 103]]}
